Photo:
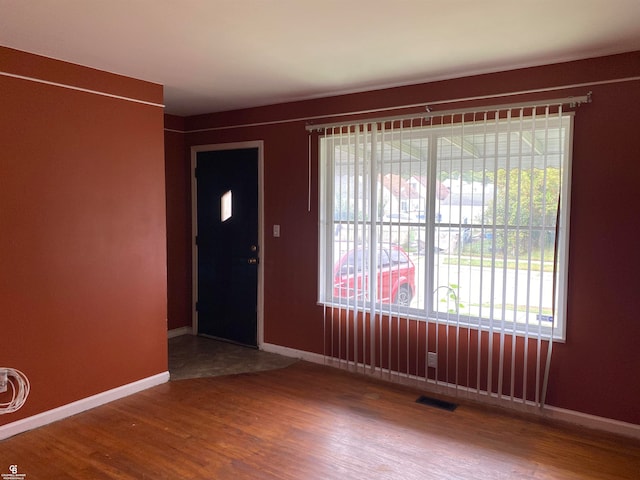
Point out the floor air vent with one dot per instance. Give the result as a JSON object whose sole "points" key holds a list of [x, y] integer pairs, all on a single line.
{"points": [[434, 402]]}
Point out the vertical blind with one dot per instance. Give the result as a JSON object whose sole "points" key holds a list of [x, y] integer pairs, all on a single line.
{"points": [[443, 246]]}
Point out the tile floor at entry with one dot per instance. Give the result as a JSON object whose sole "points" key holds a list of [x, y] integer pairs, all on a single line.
{"points": [[192, 356]]}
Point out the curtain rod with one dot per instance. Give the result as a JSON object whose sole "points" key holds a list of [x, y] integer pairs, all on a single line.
{"points": [[423, 104], [572, 101]]}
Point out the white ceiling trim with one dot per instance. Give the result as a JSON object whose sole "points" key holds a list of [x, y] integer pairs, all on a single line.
{"points": [[215, 55]]}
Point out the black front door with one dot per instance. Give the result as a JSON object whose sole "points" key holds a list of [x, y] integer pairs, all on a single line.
{"points": [[227, 244]]}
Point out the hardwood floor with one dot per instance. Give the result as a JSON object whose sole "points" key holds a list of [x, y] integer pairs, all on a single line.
{"points": [[307, 422]]}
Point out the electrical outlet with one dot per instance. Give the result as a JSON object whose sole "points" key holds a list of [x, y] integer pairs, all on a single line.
{"points": [[3, 380], [432, 360]]}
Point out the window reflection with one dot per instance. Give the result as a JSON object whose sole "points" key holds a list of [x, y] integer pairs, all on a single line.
{"points": [[225, 207]]}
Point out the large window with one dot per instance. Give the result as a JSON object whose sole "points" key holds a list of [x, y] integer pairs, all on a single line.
{"points": [[459, 218]]}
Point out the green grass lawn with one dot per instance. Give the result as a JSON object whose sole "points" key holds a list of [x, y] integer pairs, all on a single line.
{"points": [[488, 262]]}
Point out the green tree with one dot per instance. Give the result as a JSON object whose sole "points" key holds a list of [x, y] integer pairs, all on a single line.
{"points": [[526, 199]]}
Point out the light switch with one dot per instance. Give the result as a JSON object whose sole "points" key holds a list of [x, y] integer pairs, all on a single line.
{"points": [[276, 230]]}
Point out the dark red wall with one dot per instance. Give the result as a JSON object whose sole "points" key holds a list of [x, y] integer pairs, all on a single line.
{"points": [[178, 181], [596, 371], [82, 222]]}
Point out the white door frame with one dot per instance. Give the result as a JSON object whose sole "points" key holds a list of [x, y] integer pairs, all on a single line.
{"points": [[259, 144]]}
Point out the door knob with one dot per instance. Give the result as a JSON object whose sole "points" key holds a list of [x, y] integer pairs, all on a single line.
{"points": [[252, 261]]}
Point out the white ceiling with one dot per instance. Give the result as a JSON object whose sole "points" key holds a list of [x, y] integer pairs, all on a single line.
{"points": [[216, 55]]}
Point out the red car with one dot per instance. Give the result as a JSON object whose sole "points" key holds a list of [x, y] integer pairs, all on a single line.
{"points": [[396, 276]]}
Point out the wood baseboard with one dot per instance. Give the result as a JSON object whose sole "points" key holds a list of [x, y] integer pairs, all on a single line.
{"points": [[293, 353], [44, 418], [177, 332]]}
